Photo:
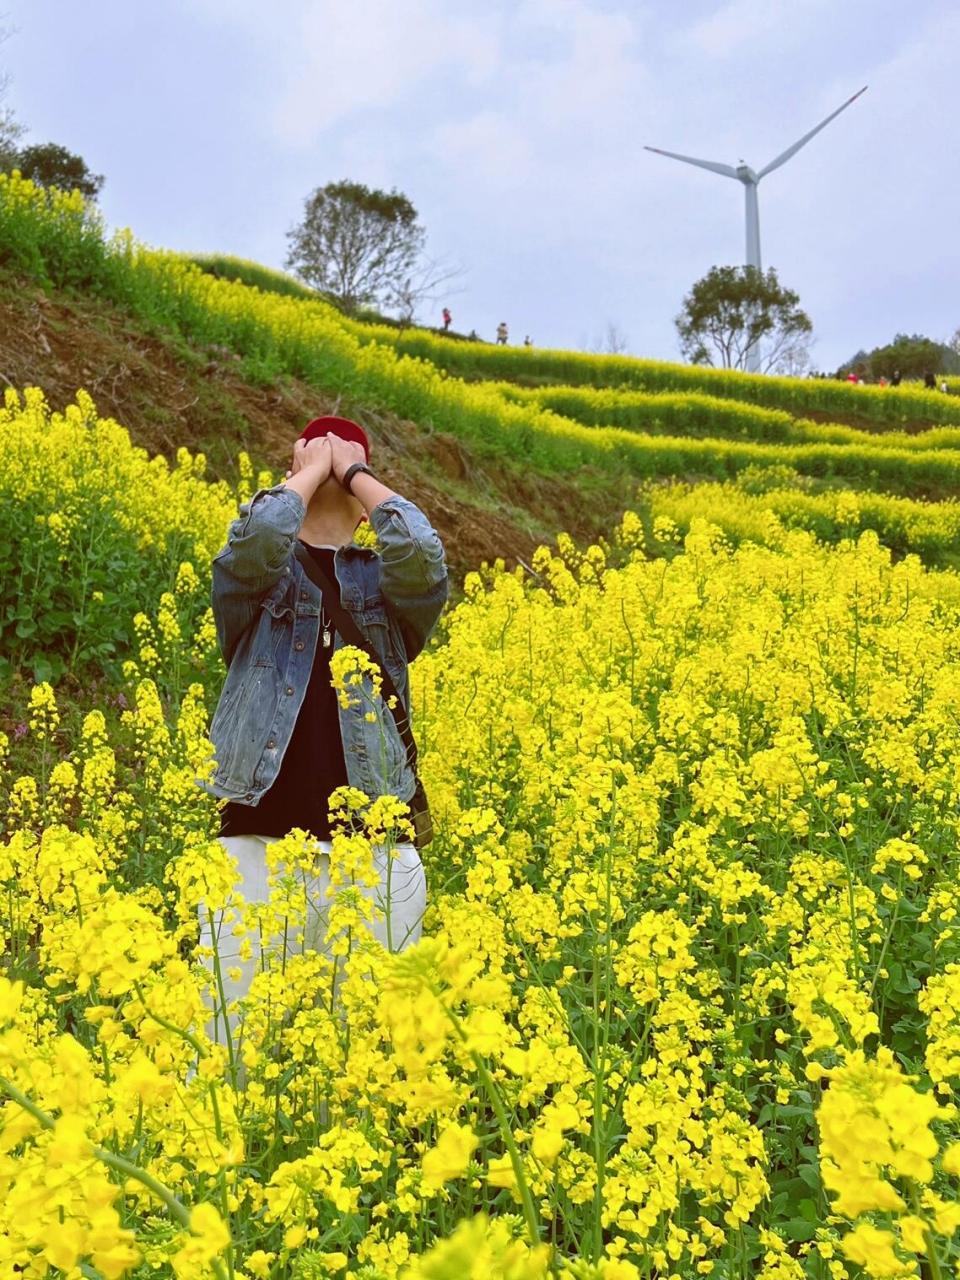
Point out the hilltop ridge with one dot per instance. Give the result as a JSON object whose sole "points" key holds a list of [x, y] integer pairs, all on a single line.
{"points": [[170, 393], [505, 446]]}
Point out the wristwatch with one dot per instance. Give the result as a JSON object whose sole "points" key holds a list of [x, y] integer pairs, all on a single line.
{"points": [[351, 471]]}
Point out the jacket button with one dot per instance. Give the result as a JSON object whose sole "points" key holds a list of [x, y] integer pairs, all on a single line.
{"points": [[303, 595], [248, 796], [271, 744], [298, 646], [289, 690]]}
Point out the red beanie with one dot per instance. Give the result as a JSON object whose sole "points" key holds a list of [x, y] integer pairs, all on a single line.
{"points": [[342, 427]]}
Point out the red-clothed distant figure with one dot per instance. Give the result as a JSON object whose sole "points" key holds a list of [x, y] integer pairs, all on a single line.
{"points": [[447, 317]]}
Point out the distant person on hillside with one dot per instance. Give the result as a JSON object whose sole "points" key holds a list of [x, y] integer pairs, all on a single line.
{"points": [[929, 381], [852, 377], [943, 386], [881, 381], [895, 380], [527, 342], [473, 336], [290, 589], [502, 333], [447, 317]]}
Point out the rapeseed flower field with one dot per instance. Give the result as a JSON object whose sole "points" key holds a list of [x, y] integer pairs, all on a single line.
{"points": [[687, 1001]]}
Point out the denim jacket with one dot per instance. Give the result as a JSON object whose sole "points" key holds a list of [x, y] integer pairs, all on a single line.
{"points": [[267, 613]]}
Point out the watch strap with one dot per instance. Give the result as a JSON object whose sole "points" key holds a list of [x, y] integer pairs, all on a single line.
{"points": [[351, 471]]}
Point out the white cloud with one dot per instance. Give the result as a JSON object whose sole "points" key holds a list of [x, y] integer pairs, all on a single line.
{"points": [[566, 101], [371, 54], [517, 127], [489, 145], [596, 76], [742, 23]]}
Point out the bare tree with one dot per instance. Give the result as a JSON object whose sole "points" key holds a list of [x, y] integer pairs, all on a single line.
{"points": [[612, 342], [431, 279], [793, 361], [11, 131]]}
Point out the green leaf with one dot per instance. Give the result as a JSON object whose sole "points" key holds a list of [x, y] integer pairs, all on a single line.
{"points": [[809, 1211], [42, 669], [798, 1229], [810, 1175], [789, 1110]]}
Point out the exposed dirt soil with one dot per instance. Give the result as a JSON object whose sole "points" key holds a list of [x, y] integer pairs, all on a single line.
{"points": [[169, 394]]}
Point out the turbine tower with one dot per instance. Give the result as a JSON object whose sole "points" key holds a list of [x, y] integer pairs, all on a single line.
{"points": [[750, 179]]}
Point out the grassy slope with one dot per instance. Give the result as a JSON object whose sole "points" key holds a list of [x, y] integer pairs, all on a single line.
{"points": [[170, 393]]}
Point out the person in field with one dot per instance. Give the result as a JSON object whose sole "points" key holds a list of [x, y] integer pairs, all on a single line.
{"points": [[447, 318], [282, 742], [502, 333]]}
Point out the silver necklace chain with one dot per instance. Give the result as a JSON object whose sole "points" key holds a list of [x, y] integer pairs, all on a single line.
{"points": [[325, 622]]}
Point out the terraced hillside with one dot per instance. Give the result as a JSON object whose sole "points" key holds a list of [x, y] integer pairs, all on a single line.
{"points": [[576, 435], [687, 997]]}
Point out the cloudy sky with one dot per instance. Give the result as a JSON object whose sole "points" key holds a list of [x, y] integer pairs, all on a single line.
{"points": [[517, 129]]}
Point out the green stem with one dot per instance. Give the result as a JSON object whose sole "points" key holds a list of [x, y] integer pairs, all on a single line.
{"points": [[177, 1209], [222, 993], [529, 1209], [191, 1039], [214, 1100], [936, 1272]]}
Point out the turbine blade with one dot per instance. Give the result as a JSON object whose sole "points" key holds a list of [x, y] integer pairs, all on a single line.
{"points": [[792, 151], [726, 170]]}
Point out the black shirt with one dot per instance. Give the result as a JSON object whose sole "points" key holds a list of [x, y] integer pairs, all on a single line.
{"points": [[313, 764]]}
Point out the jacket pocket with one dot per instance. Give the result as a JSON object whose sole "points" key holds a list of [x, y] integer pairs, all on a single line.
{"points": [[278, 606], [274, 628], [375, 623]]}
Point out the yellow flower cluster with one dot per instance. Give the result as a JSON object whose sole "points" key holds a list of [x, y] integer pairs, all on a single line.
{"points": [[94, 532], [79, 468], [929, 529], [877, 1156], [696, 857], [687, 998]]}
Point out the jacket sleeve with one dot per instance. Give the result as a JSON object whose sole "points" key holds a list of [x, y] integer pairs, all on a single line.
{"points": [[414, 577], [256, 556]]}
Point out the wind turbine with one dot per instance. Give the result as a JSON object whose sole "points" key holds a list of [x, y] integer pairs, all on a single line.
{"points": [[751, 179]]}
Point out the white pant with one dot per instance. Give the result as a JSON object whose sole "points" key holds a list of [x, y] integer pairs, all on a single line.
{"points": [[399, 897]]}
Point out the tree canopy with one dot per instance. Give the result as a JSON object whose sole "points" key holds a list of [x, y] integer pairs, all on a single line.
{"points": [[50, 165], [358, 244], [912, 354], [731, 310]]}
